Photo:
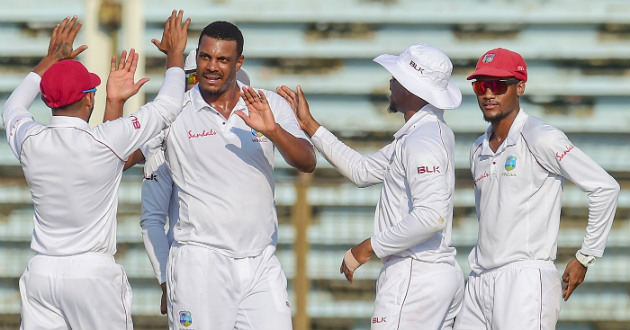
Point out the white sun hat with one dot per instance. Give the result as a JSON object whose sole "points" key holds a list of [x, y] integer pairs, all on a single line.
{"points": [[242, 76], [424, 71], [190, 64]]}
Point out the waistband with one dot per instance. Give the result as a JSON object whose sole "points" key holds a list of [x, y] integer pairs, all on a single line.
{"points": [[540, 264], [80, 256]]}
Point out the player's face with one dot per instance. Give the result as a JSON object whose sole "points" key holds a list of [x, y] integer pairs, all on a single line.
{"points": [[397, 93], [217, 63], [499, 106]]}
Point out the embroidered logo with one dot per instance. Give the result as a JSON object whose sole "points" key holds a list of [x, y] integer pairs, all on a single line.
{"points": [[382, 319], [135, 122], [185, 318], [203, 133], [428, 169], [560, 156], [487, 58], [152, 177], [510, 163], [483, 176], [416, 67]]}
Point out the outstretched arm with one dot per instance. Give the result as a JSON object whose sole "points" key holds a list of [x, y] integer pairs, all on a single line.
{"points": [[60, 46], [120, 84], [174, 39], [299, 105]]}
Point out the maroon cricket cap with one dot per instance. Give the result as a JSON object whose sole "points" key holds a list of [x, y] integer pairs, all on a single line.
{"points": [[501, 63], [64, 83]]}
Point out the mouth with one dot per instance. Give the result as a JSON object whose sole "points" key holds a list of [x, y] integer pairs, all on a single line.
{"points": [[212, 78], [490, 106]]}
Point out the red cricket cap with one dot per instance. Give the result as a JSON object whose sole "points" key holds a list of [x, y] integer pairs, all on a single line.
{"points": [[501, 63], [64, 83]]}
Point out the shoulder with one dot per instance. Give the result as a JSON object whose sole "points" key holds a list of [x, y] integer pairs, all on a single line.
{"points": [[537, 134]]}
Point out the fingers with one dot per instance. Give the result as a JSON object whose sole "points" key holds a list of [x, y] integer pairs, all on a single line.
{"points": [[140, 83], [346, 272]]}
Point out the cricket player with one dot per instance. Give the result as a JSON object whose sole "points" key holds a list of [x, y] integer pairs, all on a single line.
{"points": [[74, 171], [420, 285], [519, 166], [159, 192], [222, 272]]}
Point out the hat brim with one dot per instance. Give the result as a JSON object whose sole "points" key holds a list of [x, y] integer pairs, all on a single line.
{"points": [[445, 99], [95, 80]]}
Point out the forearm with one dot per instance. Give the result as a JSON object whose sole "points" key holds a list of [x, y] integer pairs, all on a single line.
{"points": [[297, 152], [417, 227], [157, 246], [362, 170], [113, 109], [45, 63]]}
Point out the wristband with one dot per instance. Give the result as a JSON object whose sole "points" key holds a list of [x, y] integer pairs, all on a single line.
{"points": [[351, 262], [585, 260]]}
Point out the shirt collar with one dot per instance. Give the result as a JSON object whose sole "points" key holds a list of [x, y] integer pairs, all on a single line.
{"points": [[199, 103], [68, 121], [428, 112], [514, 133]]}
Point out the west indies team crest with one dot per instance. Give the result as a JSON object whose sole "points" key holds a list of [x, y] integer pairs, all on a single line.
{"points": [[185, 318], [256, 133], [510, 163], [487, 58]]}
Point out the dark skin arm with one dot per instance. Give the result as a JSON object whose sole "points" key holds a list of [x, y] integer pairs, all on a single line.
{"points": [[362, 253], [573, 276], [300, 106], [297, 152]]}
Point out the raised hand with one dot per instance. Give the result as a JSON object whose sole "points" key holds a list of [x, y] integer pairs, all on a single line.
{"points": [[300, 106], [174, 38], [120, 84], [260, 116], [61, 44]]}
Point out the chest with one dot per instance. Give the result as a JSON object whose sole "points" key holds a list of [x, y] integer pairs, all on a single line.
{"points": [[513, 168], [206, 133]]}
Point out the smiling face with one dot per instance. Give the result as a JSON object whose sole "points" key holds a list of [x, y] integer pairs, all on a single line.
{"points": [[217, 63], [497, 107]]}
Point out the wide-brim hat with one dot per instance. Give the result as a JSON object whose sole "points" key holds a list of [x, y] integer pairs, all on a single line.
{"points": [[424, 71]]}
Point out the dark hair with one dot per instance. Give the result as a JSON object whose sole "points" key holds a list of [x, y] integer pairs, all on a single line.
{"points": [[222, 30]]}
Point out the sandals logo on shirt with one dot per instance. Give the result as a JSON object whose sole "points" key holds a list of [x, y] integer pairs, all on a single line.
{"points": [[185, 318], [510, 163]]}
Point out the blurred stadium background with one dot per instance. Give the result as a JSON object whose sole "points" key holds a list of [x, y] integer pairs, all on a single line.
{"points": [[577, 51]]}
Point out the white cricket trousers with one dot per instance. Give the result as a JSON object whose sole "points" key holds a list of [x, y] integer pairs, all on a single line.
{"points": [[86, 291], [210, 291], [524, 295], [412, 294]]}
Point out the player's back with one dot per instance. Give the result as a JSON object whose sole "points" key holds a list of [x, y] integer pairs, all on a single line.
{"points": [[73, 178]]}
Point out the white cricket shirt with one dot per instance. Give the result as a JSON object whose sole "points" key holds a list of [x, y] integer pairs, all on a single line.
{"points": [[73, 171], [415, 209], [518, 192], [223, 170]]}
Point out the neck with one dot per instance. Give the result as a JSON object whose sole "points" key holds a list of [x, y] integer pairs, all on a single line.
{"points": [[223, 102]]}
